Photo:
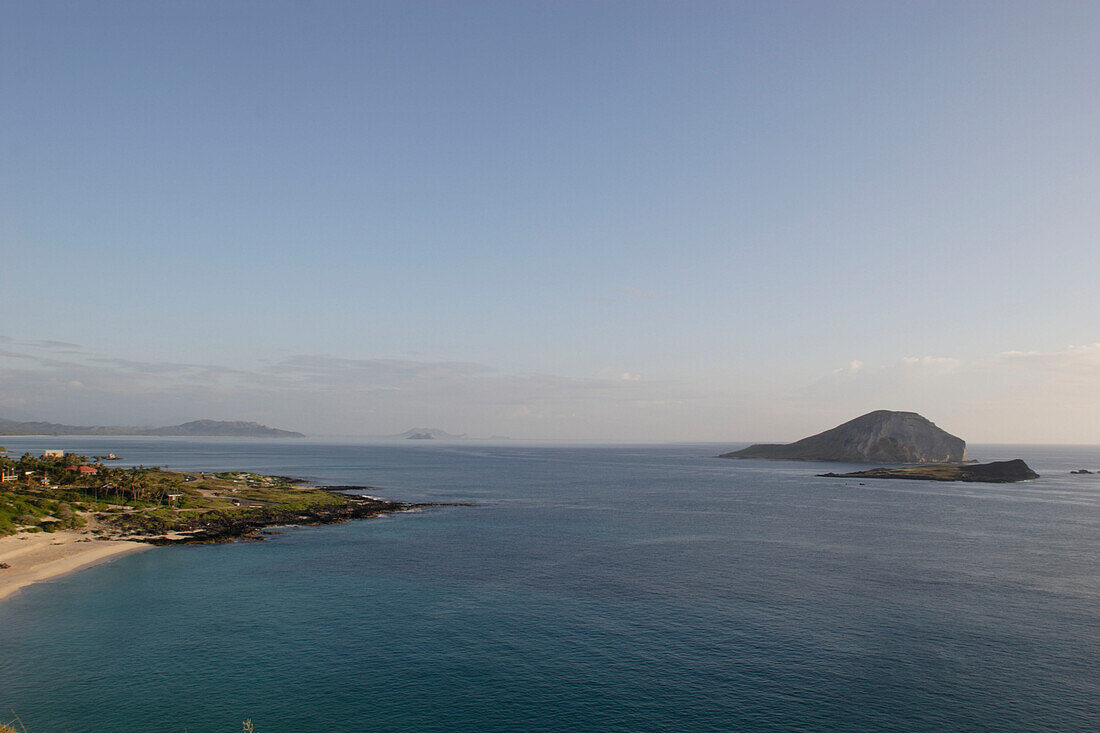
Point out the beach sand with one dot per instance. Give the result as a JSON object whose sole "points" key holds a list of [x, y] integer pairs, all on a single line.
{"points": [[43, 556]]}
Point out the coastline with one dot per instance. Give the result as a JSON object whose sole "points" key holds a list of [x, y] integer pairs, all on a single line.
{"points": [[37, 556], [216, 526], [33, 557]]}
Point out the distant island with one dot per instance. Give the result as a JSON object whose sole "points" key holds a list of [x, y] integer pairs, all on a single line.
{"points": [[428, 434], [195, 428], [882, 436], [997, 472]]}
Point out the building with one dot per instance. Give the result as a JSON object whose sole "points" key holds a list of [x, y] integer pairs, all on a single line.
{"points": [[53, 453], [85, 470]]}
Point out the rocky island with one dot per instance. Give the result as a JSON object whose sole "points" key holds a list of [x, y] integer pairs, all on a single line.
{"points": [[997, 472], [428, 434], [882, 436]]}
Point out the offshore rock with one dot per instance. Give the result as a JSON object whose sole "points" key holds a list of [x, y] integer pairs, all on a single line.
{"points": [[882, 436], [997, 472]]}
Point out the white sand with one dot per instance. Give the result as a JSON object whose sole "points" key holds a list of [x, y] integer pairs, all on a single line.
{"points": [[42, 556]]}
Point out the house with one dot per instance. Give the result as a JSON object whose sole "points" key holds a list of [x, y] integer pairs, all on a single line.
{"points": [[85, 470], [8, 474], [53, 453]]}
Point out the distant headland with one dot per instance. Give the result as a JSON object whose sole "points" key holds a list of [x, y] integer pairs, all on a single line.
{"points": [[882, 436], [195, 428]]}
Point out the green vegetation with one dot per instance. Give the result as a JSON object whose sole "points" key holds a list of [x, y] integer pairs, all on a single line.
{"points": [[47, 494], [36, 513]]}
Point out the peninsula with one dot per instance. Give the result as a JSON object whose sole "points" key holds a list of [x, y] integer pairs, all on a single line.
{"points": [[882, 436], [195, 428], [61, 513], [997, 472]]}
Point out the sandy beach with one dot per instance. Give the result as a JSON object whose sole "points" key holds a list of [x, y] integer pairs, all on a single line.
{"points": [[43, 556]]}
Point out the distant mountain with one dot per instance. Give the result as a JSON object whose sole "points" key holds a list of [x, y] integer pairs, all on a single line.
{"points": [[225, 428], [428, 434], [882, 436], [196, 428]]}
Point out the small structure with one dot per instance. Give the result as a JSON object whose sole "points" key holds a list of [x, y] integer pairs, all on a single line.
{"points": [[8, 474], [85, 470], [52, 453], [173, 498]]}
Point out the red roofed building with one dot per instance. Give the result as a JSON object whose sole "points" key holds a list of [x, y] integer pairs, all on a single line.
{"points": [[85, 470]]}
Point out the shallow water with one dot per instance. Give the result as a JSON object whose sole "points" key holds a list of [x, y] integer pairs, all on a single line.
{"points": [[591, 588]]}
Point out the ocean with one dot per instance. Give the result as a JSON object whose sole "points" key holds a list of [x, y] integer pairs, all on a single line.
{"points": [[590, 588]]}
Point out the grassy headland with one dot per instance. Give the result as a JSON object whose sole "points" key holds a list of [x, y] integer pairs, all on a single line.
{"points": [[161, 506]]}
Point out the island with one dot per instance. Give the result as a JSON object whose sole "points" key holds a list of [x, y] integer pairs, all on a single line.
{"points": [[428, 434], [996, 472], [882, 436], [195, 428], [59, 512]]}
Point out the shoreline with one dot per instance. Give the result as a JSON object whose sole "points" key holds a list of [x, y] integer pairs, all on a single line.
{"points": [[111, 512], [217, 526], [34, 557]]}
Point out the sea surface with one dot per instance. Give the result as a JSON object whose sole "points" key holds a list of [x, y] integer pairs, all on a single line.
{"points": [[591, 588]]}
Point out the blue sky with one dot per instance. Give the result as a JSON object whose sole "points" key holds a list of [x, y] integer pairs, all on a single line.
{"points": [[651, 221]]}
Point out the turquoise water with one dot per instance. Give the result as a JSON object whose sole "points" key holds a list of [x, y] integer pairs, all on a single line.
{"points": [[609, 588]]}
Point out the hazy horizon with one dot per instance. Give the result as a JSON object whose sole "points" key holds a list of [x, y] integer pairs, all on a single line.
{"points": [[657, 222]]}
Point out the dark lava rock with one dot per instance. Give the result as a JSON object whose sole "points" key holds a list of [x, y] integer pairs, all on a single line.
{"points": [[997, 472], [225, 526]]}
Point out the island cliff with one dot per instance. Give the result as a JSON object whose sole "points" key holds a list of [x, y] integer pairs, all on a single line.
{"points": [[882, 436]]}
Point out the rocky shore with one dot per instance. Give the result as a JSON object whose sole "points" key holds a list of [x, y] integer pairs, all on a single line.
{"points": [[54, 519], [225, 526]]}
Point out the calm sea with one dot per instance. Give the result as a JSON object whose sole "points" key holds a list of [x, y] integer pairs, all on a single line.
{"points": [[611, 588]]}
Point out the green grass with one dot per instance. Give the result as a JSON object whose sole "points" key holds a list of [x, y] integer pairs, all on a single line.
{"points": [[31, 500], [14, 506]]}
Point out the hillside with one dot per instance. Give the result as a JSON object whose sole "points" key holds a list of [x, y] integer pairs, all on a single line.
{"points": [[882, 436]]}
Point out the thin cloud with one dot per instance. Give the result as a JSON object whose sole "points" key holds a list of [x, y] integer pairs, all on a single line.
{"points": [[1012, 397], [1015, 396], [56, 345]]}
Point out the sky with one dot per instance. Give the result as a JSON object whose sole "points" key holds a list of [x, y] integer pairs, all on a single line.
{"points": [[602, 221]]}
